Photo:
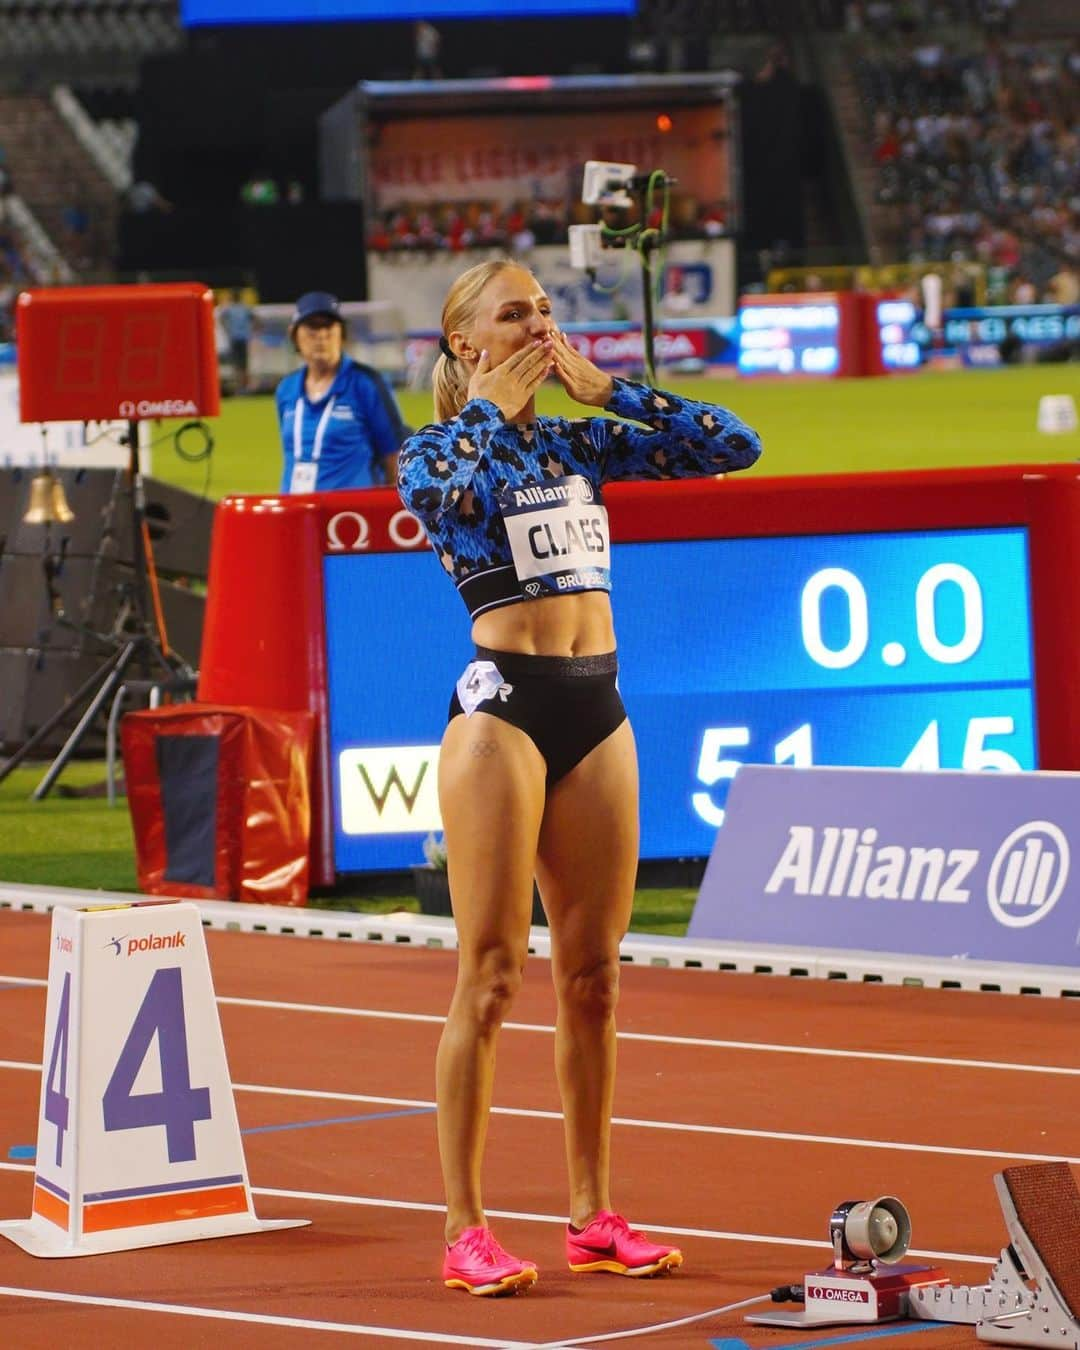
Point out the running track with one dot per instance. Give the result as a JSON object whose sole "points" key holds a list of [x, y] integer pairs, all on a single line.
{"points": [[747, 1107]]}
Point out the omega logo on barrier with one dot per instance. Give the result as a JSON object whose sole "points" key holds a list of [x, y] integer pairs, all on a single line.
{"points": [[334, 540], [406, 530]]}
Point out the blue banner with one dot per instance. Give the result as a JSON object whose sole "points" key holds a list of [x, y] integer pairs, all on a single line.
{"points": [[958, 865]]}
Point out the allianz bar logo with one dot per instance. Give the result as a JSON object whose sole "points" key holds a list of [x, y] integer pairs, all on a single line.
{"points": [[389, 789], [1025, 877]]}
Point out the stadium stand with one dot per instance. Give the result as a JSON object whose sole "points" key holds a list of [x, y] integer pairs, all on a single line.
{"points": [[926, 130], [977, 153], [59, 182]]}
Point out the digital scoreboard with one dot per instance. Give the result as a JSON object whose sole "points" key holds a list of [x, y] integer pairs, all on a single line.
{"points": [[827, 333], [902, 620], [899, 326], [792, 337], [96, 353], [891, 650]]}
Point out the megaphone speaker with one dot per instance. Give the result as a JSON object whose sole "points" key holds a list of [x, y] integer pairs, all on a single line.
{"points": [[870, 1230]]}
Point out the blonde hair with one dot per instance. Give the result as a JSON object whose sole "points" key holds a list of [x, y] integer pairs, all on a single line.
{"points": [[450, 377]]}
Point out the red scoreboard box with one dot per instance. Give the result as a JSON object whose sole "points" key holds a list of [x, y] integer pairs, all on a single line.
{"points": [[96, 353]]}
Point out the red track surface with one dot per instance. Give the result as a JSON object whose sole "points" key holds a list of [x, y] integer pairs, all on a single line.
{"points": [[375, 1264]]}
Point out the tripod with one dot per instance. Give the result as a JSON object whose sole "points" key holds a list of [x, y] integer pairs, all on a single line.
{"points": [[140, 646], [649, 240]]}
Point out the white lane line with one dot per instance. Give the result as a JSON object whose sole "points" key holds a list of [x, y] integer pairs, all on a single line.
{"points": [[525, 1216], [654, 1038], [262, 1319], [679, 1127], [767, 1047], [640, 1123]]}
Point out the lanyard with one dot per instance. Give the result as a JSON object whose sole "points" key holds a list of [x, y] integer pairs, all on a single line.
{"points": [[298, 428]]}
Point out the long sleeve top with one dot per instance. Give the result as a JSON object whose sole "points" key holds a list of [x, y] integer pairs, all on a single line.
{"points": [[465, 479]]}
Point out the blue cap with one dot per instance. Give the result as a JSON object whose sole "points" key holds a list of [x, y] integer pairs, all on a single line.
{"points": [[316, 302]]}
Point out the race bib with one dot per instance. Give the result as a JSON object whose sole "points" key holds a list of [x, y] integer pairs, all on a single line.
{"points": [[303, 477], [480, 681], [559, 536]]}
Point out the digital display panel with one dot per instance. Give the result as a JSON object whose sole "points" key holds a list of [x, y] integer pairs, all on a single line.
{"points": [[898, 325], [426, 175], [978, 334], [790, 339], [90, 353], [896, 650], [194, 13]]}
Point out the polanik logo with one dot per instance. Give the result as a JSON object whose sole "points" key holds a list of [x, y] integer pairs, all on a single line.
{"points": [[1028, 874]]}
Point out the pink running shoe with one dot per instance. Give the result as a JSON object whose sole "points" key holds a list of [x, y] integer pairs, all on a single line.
{"points": [[609, 1243], [479, 1265]]}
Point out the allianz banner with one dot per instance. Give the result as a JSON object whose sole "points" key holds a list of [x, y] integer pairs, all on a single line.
{"points": [[975, 865]]}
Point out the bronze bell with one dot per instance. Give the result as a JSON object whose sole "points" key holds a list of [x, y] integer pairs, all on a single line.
{"points": [[48, 501]]}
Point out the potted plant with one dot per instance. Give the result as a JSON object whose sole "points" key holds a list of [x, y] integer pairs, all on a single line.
{"points": [[433, 883]]}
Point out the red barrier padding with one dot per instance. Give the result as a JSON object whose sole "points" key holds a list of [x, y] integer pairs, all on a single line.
{"points": [[219, 801]]}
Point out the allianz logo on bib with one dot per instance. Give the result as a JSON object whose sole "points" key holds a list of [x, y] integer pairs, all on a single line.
{"points": [[575, 488], [1026, 875]]}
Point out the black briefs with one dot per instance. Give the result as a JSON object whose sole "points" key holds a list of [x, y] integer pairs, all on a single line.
{"points": [[566, 705]]}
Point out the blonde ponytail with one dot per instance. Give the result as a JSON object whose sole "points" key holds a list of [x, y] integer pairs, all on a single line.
{"points": [[450, 385]]}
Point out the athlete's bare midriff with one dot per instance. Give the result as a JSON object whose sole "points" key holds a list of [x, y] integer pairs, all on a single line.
{"points": [[558, 625]]}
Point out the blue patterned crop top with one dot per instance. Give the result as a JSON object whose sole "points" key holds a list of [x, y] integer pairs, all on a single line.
{"points": [[515, 512]]}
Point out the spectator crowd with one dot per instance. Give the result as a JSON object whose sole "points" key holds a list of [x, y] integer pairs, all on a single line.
{"points": [[980, 151], [519, 226]]}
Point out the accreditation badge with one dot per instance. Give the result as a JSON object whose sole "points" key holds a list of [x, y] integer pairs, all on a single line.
{"points": [[559, 536], [304, 476]]}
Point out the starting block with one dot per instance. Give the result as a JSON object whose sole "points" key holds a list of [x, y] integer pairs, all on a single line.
{"points": [[1033, 1294], [138, 1143]]}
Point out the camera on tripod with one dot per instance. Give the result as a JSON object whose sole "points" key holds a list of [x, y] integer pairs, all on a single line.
{"points": [[608, 184], [604, 184]]}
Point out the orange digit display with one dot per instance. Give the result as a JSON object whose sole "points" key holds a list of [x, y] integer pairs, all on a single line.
{"points": [[95, 353]]}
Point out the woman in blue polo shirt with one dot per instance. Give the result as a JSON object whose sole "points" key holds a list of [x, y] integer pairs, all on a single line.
{"points": [[340, 425]]}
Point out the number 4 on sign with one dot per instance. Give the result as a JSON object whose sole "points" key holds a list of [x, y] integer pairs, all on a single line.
{"points": [[56, 1100], [178, 1105], [121, 1047]]}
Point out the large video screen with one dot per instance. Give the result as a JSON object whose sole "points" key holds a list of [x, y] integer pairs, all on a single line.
{"points": [[894, 650], [461, 180], [195, 13]]}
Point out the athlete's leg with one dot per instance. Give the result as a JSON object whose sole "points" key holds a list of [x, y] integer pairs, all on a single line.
{"points": [[491, 793], [586, 867]]}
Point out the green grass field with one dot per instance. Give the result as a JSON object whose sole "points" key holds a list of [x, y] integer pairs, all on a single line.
{"points": [[927, 420], [932, 419]]}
